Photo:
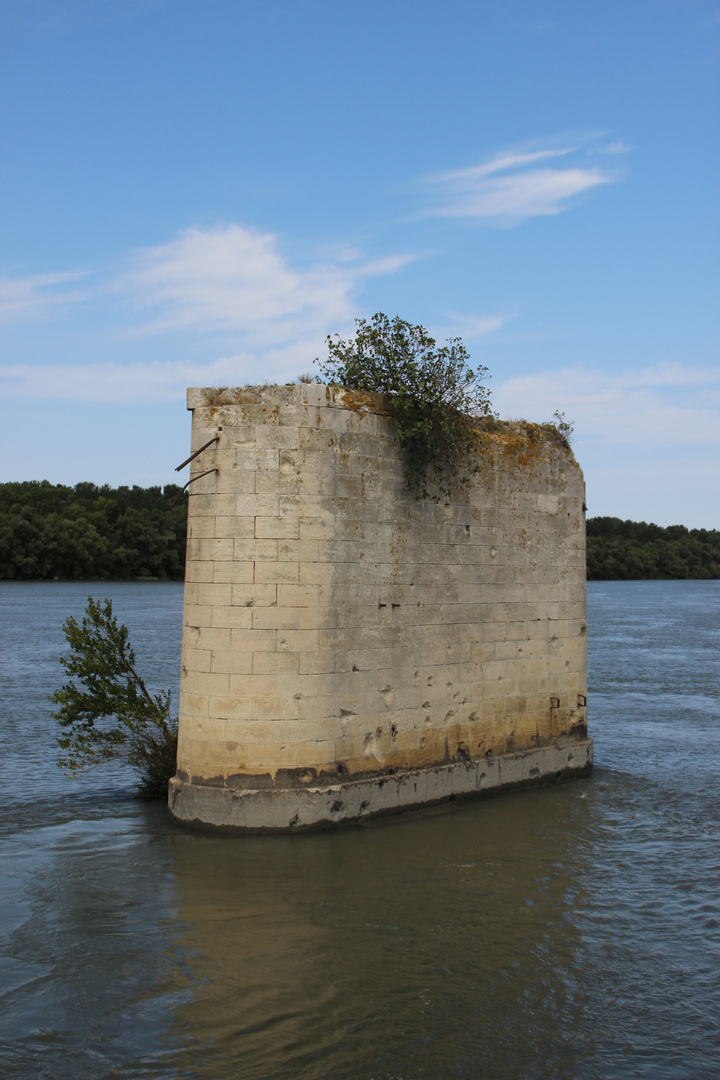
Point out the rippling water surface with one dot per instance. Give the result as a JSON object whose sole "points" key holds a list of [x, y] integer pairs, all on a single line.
{"points": [[571, 931]]}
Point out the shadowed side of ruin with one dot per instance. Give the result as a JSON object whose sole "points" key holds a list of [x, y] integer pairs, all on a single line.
{"points": [[350, 650]]}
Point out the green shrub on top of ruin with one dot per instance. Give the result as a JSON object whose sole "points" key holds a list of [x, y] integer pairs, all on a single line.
{"points": [[559, 429], [563, 426], [433, 393], [106, 711]]}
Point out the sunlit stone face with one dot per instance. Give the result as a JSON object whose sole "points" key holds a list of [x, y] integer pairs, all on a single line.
{"points": [[340, 631]]}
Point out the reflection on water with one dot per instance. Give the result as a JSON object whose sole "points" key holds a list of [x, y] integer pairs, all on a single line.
{"points": [[564, 932], [375, 952]]}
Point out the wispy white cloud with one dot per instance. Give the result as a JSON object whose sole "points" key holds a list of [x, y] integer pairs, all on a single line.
{"points": [[673, 374], [228, 282], [125, 383], [509, 160], [617, 147], [128, 383], [232, 278], [472, 327], [666, 405], [515, 185], [38, 296]]}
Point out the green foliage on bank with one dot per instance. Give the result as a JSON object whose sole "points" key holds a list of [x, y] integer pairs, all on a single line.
{"points": [[631, 550], [50, 531], [90, 533]]}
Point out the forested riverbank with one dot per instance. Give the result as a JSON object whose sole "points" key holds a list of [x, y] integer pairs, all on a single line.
{"points": [[635, 550], [87, 532], [90, 532]]}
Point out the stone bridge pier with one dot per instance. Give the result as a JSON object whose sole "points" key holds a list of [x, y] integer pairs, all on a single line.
{"points": [[350, 650]]}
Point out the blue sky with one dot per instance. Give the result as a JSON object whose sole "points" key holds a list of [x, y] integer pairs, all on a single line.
{"points": [[196, 193]]}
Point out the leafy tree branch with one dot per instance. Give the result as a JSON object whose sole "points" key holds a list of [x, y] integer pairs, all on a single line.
{"points": [[106, 710]]}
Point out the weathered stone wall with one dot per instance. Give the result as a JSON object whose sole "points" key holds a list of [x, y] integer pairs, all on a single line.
{"points": [[339, 630]]}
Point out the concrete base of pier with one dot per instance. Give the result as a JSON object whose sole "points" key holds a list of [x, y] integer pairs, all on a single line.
{"points": [[295, 809]]}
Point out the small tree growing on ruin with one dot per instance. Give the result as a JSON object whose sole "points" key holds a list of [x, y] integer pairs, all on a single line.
{"points": [[433, 393], [109, 713]]}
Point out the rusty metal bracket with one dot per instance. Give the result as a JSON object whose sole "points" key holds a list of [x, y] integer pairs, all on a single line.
{"points": [[197, 452], [190, 481]]}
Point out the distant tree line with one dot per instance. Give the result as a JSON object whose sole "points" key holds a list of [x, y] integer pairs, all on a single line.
{"points": [[628, 550], [49, 531]]}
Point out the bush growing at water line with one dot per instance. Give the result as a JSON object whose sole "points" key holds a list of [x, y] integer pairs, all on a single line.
{"points": [[111, 713]]}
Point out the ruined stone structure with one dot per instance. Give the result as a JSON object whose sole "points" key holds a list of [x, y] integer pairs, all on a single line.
{"points": [[351, 650]]}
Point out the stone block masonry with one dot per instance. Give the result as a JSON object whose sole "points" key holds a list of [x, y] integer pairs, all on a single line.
{"points": [[350, 650]]}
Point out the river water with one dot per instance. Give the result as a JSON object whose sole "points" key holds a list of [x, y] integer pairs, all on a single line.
{"points": [[571, 931]]}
